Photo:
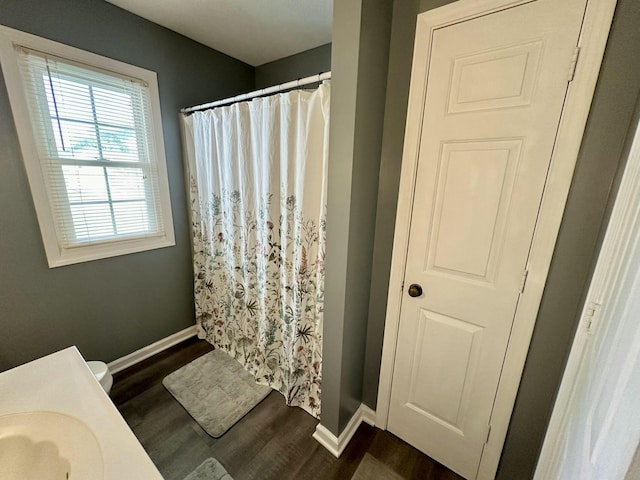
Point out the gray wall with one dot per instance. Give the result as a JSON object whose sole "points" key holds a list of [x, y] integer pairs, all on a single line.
{"points": [[110, 307], [585, 216], [397, 96], [599, 160], [361, 31], [296, 66]]}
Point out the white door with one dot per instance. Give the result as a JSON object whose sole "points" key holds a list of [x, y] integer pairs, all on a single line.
{"points": [[495, 92]]}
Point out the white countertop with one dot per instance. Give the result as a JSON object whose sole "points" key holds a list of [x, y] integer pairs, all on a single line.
{"points": [[62, 382]]}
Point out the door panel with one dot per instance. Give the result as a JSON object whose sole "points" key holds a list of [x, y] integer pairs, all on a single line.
{"points": [[445, 353], [495, 92], [473, 89], [475, 181]]}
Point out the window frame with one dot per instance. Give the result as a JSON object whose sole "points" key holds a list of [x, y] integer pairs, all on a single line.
{"points": [[57, 254]]}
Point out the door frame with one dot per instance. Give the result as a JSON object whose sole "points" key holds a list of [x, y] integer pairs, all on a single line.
{"points": [[592, 41]]}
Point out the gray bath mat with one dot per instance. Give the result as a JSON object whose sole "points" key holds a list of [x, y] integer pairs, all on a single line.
{"points": [[216, 391], [371, 468], [210, 469]]}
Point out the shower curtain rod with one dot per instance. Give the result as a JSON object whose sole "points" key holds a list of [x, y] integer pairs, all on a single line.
{"points": [[259, 93]]}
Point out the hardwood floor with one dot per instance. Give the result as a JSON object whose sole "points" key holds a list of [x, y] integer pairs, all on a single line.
{"points": [[273, 441]]}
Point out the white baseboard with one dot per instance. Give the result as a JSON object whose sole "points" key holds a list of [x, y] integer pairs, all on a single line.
{"points": [[368, 415], [150, 350], [336, 445]]}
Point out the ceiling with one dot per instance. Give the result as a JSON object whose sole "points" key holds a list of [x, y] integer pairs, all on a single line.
{"points": [[254, 31]]}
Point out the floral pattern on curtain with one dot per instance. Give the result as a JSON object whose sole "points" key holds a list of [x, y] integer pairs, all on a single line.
{"points": [[258, 201]]}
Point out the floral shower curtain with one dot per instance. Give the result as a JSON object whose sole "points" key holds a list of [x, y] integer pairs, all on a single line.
{"points": [[257, 173]]}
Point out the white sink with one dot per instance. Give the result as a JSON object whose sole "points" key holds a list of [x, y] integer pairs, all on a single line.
{"points": [[48, 446], [54, 410]]}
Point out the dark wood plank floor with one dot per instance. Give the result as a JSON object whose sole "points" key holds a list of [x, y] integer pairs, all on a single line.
{"points": [[273, 441]]}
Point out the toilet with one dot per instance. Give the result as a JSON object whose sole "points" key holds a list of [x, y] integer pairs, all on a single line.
{"points": [[102, 373]]}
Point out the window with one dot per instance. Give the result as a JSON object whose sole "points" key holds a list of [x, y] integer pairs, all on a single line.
{"points": [[91, 140]]}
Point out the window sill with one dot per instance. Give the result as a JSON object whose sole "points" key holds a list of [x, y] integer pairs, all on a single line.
{"points": [[96, 252]]}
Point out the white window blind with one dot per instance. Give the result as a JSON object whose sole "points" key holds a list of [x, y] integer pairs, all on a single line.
{"points": [[93, 133]]}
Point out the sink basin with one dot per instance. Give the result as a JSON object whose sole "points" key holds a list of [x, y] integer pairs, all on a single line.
{"points": [[48, 446], [53, 410]]}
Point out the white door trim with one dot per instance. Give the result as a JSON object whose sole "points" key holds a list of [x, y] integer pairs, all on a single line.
{"points": [[620, 242], [592, 42]]}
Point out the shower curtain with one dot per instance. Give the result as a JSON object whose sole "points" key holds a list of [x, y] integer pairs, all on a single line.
{"points": [[258, 181]]}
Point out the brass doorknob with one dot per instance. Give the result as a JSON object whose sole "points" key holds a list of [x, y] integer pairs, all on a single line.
{"points": [[415, 290]]}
